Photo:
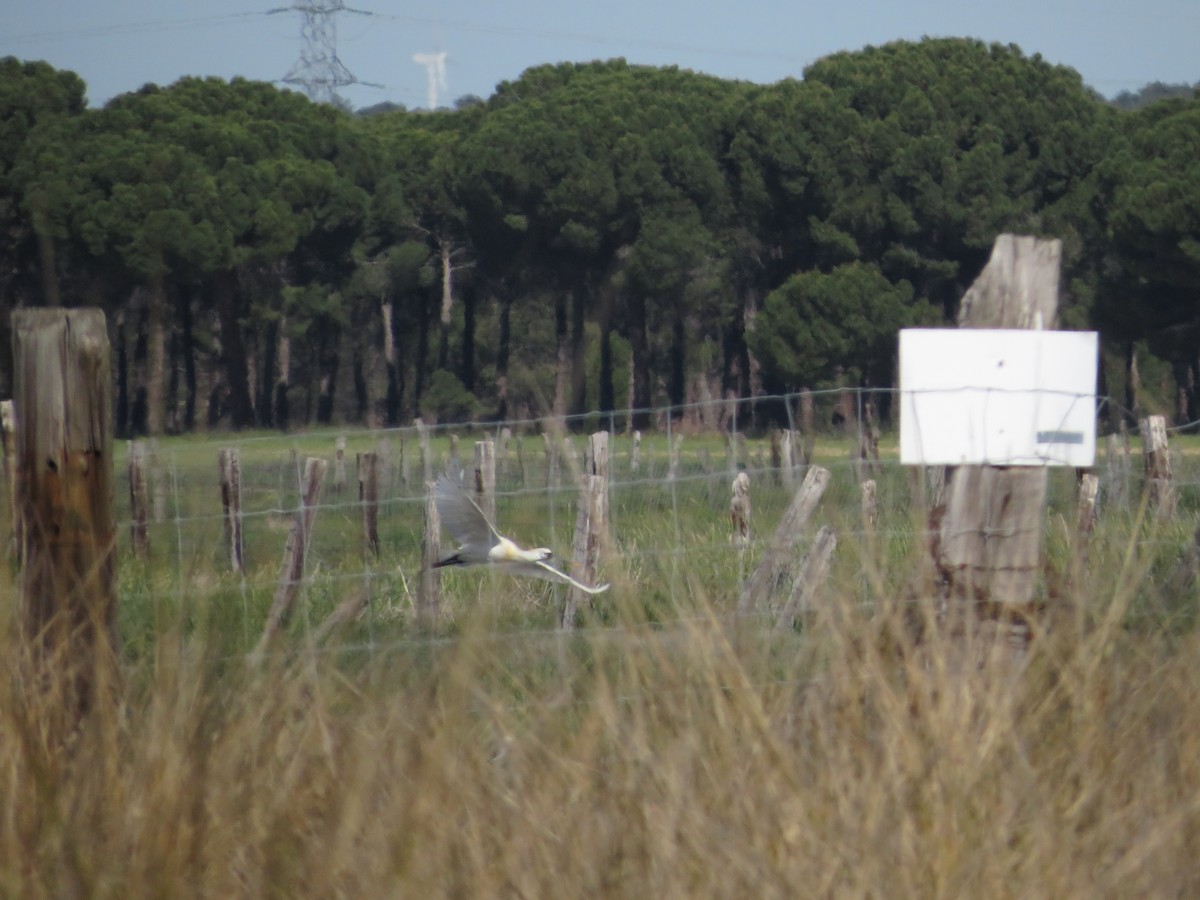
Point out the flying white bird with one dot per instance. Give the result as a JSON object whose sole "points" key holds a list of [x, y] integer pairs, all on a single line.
{"points": [[483, 545]]}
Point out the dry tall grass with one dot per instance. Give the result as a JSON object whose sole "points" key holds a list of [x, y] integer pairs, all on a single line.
{"points": [[700, 759]]}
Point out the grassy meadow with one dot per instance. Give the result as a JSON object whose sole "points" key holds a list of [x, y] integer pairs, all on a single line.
{"points": [[664, 749]]}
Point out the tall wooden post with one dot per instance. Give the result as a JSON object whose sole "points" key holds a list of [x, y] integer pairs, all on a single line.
{"points": [[64, 499], [591, 523], [429, 587], [291, 573], [339, 465], [368, 498], [991, 532], [230, 468], [779, 557]]}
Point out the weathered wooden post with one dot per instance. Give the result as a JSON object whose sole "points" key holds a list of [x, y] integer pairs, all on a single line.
{"points": [[591, 523], [485, 478], [505, 441], [63, 506], [673, 444], [869, 499], [813, 575], [429, 586], [230, 468], [455, 463], [368, 498], [1160, 489], [426, 453], [635, 452], [808, 424], [552, 460], [7, 439], [1085, 522], [780, 554], [339, 465], [139, 500], [295, 553], [990, 535], [739, 510]]}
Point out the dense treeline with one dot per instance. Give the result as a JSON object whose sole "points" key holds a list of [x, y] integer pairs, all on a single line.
{"points": [[592, 236]]}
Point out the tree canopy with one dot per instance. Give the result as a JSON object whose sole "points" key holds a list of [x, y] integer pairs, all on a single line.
{"points": [[596, 233]]}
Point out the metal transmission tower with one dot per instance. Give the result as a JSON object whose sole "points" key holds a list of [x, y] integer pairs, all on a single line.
{"points": [[319, 70]]}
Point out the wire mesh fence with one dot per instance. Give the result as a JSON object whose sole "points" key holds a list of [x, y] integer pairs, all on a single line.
{"points": [[673, 554]]}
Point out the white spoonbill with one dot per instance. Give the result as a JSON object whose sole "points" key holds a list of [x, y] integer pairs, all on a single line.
{"points": [[483, 545]]}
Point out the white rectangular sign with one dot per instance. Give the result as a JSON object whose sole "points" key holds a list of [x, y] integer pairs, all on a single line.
{"points": [[997, 397]]}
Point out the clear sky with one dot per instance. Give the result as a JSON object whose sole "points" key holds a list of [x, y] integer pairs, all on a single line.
{"points": [[119, 45]]}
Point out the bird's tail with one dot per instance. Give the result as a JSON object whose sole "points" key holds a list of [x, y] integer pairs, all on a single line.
{"points": [[455, 560]]}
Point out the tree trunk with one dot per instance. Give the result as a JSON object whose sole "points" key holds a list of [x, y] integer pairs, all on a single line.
{"points": [[283, 377], [156, 357], [188, 350], [468, 341], [678, 382], [327, 369], [578, 351], [502, 352], [233, 351], [562, 368], [639, 393]]}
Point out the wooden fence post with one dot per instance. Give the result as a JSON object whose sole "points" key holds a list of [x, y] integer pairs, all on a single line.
{"points": [[739, 510], [368, 497], [230, 468], [1157, 460], [1085, 521], [869, 498], [991, 532], [429, 587], [426, 453], [7, 439], [295, 553], [339, 465], [779, 556], [139, 500], [591, 522], [485, 478], [66, 524], [813, 574], [635, 452]]}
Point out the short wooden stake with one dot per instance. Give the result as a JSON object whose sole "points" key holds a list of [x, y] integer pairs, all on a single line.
{"points": [[780, 554], [1085, 521], [739, 510], [635, 452], [674, 443], [426, 453], [870, 505], [339, 465], [485, 478], [139, 500], [230, 468], [1160, 488], [295, 553], [368, 498], [429, 587]]}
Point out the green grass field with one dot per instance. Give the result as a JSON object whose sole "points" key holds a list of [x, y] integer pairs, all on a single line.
{"points": [[664, 749]]}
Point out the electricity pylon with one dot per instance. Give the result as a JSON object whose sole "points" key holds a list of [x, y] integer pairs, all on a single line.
{"points": [[319, 71]]}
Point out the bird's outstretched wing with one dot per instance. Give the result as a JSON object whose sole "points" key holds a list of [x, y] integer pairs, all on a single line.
{"points": [[549, 573], [463, 518]]}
